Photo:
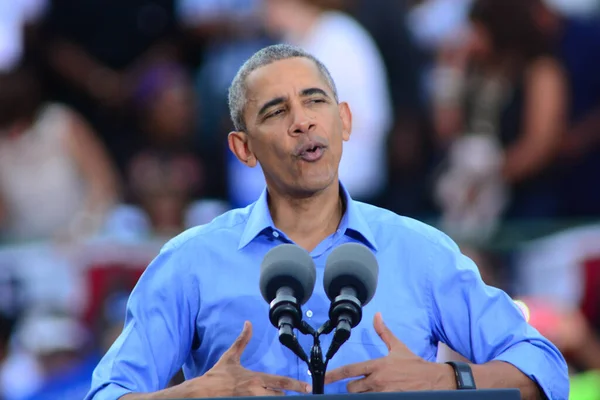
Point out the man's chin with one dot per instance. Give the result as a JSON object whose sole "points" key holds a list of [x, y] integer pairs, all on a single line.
{"points": [[310, 186]]}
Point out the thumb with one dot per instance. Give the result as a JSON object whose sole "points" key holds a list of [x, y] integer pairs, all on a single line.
{"points": [[234, 353], [391, 341]]}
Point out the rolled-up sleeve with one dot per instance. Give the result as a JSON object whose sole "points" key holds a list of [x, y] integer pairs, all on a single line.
{"points": [[158, 332], [483, 324]]}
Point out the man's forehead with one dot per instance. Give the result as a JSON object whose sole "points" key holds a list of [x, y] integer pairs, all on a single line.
{"points": [[280, 77]]}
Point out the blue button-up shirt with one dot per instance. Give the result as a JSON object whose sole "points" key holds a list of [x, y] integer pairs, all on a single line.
{"points": [[191, 302]]}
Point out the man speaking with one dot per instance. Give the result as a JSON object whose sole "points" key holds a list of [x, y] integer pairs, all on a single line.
{"points": [[193, 300]]}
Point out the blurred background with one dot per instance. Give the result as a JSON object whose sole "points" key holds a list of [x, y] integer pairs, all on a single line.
{"points": [[480, 117]]}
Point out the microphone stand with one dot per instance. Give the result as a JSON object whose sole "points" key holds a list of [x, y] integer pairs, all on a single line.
{"points": [[285, 313], [316, 365]]}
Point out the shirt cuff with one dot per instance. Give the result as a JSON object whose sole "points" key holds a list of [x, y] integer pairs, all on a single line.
{"points": [[112, 391], [543, 364]]}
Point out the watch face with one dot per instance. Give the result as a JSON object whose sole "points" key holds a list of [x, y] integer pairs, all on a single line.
{"points": [[467, 380], [464, 375]]}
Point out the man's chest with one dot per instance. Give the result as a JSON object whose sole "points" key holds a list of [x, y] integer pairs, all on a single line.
{"points": [[227, 300]]}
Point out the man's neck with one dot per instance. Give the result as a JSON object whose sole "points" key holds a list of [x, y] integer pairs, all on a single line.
{"points": [[308, 221]]}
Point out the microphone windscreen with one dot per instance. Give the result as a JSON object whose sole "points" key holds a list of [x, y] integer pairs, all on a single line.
{"points": [[351, 264], [287, 265]]}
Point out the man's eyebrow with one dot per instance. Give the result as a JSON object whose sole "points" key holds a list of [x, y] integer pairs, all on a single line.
{"points": [[270, 103], [311, 91], [280, 100]]}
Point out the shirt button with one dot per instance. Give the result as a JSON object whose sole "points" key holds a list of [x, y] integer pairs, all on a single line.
{"points": [[276, 234], [309, 314]]}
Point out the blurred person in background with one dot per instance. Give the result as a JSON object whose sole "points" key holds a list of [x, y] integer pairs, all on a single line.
{"points": [[7, 324], [575, 39], [166, 175], [352, 57], [18, 370], [95, 52], [166, 178], [501, 113], [59, 344], [224, 33], [409, 142], [55, 177]]}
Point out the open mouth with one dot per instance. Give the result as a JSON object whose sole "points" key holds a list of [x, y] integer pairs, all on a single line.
{"points": [[312, 154]]}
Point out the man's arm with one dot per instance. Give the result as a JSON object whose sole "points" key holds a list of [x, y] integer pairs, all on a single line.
{"points": [[158, 333], [227, 378], [492, 375], [498, 375], [176, 392], [484, 325]]}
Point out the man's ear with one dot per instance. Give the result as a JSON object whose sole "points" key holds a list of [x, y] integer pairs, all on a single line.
{"points": [[346, 117], [238, 144]]}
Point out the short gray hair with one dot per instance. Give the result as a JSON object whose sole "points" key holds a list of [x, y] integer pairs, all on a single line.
{"points": [[263, 57]]}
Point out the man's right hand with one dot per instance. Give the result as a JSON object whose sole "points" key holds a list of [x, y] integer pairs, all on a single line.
{"points": [[227, 378]]}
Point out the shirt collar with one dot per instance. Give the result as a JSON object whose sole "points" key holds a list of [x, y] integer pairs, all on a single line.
{"points": [[353, 222]]}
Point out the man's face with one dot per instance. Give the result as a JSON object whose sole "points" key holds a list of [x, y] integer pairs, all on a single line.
{"points": [[295, 128]]}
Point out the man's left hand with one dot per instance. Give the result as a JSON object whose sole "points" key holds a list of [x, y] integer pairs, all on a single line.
{"points": [[400, 371]]}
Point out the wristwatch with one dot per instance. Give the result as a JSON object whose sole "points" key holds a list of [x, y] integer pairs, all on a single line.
{"points": [[464, 375]]}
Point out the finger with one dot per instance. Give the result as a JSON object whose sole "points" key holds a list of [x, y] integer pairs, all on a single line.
{"points": [[268, 392], [234, 353], [362, 385], [391, 341], [278, 382], [364, 368]]}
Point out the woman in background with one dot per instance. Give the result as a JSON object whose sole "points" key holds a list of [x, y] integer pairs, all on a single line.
{"points": [[56, 180], [505, 87]]}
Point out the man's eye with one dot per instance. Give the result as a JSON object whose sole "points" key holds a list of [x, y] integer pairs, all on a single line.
{"points": [[275, 113], [317, 101]]}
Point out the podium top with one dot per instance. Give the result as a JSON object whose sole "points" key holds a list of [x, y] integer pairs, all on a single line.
{"points": [[479, 394]]}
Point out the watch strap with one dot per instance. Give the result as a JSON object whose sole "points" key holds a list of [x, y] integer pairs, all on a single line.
{"points": [[463, 374]]}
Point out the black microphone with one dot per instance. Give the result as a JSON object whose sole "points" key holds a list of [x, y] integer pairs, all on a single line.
{"points": [[350, 280], [287, 280]]}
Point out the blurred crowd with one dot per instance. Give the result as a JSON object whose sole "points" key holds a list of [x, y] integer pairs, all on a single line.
{"points": [[478, 116]]}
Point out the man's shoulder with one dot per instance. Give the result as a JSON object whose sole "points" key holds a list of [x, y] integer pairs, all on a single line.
{"points": [[225, 228], [384, 222]]}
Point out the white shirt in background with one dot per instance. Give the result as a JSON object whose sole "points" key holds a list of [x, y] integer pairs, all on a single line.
{"points": [[39, 180], [357, 68]]}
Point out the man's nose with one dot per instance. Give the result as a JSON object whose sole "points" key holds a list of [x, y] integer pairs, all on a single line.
{"points": [[302, 123]]}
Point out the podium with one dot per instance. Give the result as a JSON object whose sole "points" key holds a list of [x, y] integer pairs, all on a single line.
{"points": [[478, 394]]}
